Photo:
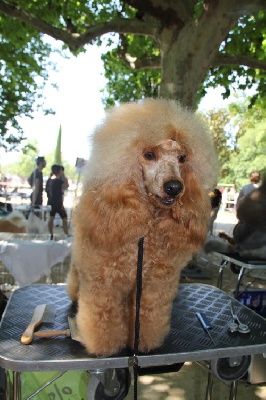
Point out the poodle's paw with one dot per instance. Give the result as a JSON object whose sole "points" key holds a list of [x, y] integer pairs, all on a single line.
{"points": [[101, 349], [152, 337], [150, 344], [73, 284], [101, 345], [73, 294], [101, 336], [72, 290]]}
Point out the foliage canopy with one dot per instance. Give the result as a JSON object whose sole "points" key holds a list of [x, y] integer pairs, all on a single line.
{"points": [[23, 74], [175, 49]]}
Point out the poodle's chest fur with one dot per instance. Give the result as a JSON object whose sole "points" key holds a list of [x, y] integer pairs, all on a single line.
{"points": [[162, 250]]}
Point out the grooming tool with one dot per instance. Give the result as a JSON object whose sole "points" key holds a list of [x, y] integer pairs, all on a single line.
{"points": [[237, 325], [72, 331], [36, 320], [41, 313], [206, 325]]}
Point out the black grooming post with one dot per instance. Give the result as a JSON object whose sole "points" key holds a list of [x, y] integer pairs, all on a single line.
{"points": [[137, 321]]}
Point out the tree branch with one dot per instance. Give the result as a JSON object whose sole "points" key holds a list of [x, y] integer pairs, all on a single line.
{"points": [[76, 40], [148, 62], [223, 59], [248, 7], [14, 11], [240, 7], [170, 12], [136, 63], [119, 25], [140, 63]]}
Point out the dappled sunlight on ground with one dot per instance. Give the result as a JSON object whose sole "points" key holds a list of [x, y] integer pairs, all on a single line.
{"points": [[190, 384], [261, 392]]}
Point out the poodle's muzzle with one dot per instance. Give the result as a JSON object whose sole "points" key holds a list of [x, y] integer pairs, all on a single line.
{"points": [[167, 185], [172, 188]]}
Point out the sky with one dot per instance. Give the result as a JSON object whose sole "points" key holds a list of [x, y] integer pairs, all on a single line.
{"points": [[78, 107]]}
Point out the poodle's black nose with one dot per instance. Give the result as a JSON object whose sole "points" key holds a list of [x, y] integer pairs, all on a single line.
{"points": [[173, 187]]}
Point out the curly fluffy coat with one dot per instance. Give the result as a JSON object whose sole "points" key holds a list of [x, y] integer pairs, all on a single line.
{"points": [[15, 222], [149, 174]]}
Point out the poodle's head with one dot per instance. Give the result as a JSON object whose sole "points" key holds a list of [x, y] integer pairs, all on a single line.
{"points": [[157, 145], [162, 171]]}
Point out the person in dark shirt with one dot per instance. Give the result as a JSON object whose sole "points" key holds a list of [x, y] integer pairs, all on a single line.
{"points": [[53, 173], [254, 177], [36, 182], [55, 189]]}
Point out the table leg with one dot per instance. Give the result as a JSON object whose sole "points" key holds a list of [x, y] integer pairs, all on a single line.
{"points": [[208, 395], [233, 390], [108, 379], [239, 279], [109, 384], [220, 274], [16, 386], [9, 387]]}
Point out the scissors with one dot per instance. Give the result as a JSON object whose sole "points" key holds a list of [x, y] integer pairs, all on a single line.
{"points": [[237, 325]]}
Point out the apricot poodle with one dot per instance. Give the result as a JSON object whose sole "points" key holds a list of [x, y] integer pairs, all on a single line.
{"points": [[149, 174]]}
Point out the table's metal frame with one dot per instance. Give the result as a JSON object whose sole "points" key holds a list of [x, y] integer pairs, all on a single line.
{"points": [[186, 341], [244, 263], [41, 211]]}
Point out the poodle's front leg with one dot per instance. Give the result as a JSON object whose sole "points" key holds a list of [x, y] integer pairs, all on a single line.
{"points": [[155, 313], [73, 283], [102, 320]]}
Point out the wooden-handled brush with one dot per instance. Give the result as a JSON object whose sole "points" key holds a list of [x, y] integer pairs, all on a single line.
{"points": [[72, 331], [36, 320], [52, 333]]}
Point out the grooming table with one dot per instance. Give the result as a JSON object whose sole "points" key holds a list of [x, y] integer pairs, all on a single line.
{"points": [[187, 341], [245, 264]]}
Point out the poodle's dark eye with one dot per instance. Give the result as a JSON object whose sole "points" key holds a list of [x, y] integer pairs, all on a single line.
{"points": [[149, 155], [182, 158]]}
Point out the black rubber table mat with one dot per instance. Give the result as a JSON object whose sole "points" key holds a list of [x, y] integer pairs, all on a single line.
{"points": [[187, 341]]}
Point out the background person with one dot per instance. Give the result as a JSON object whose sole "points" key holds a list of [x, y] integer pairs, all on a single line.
{"points": [[250, 232], [65, 180], [47, 189], [56, 187], [36, 182], [254, 177]]}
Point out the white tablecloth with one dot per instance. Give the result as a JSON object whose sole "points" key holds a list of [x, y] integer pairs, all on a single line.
{"points": [[28, 261]]}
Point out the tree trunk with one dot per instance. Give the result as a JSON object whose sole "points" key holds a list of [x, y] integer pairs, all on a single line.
{"points": [[187, 55]]}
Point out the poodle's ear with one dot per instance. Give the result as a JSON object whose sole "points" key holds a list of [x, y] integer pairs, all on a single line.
{"points": [[193, 212], [111, 215]]}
